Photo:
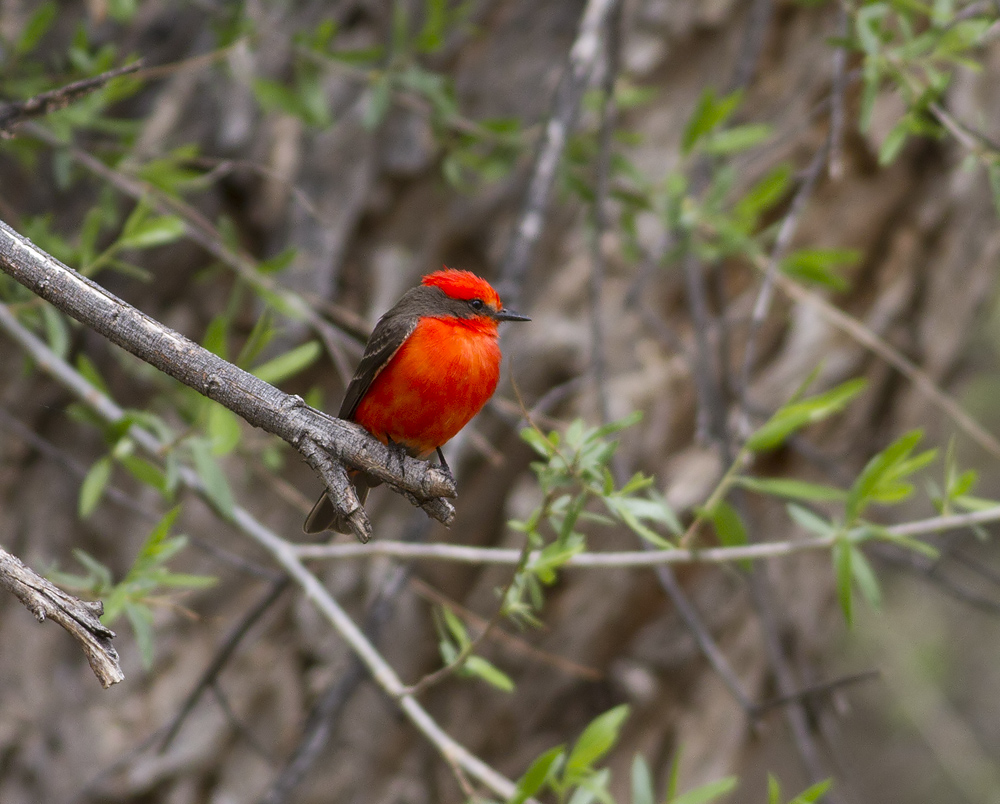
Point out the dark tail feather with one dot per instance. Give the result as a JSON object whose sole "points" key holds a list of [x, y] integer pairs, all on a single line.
{"points": [[325, 517]]}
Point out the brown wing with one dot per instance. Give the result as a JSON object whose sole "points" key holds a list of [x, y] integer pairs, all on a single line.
{"points": [[389, 334]]}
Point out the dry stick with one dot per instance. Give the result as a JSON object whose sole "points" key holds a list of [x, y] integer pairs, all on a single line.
{"points": [[323, 717], [325, 442], [639, 558], [17, 112], [78, 617], [582, 58], [609, 116], [282, 551]]}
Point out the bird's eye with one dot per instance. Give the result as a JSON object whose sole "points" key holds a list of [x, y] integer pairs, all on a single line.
{"points": [[476, 304]]}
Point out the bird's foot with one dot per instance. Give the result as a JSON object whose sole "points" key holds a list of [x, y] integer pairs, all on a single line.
{"points": [[397, 456], [444, 465]]}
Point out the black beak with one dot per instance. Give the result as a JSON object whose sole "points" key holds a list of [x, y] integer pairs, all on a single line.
{"points": [[503, 314]]}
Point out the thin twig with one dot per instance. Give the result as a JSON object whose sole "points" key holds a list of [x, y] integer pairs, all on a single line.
{"points": [[582, 58], [638, 558], [326, 712], [609, 116], [11, 114]]}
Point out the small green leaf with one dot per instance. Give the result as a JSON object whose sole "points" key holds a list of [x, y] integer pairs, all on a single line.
{"points": [[791, 489], [642, 782], [36, 27], [56, 330], [94, 483], [223, 429], [288, 364], [864, 577], [843, 568], [537, 774], [813, 794], [796, 415], [481, 668], [820, 266], [809, 521], [596, 740], [212, 477], [379, 101], [707, 792], [736, 139], [141, 618], [728, 525], [156, 231]]}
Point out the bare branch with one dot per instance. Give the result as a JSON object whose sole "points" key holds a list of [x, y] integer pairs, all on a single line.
{"points": [[582, 58], [40, 105], [78, 617], [637, 558]]}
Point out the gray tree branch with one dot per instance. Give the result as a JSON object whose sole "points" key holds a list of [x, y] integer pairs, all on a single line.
{"points": [[78, 617]]}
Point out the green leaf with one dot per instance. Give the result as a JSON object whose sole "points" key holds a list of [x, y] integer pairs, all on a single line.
{"points": [[796, 415], [212, 477], [809, 521], [819, 266], [288, 364], [145, 472], [813, 794], [488, 672], [537, 774], [94, 483], [56, 330], [791, 489], [223, 429], [707, 792], [864, 577], [596, 740], [709, 113], [379, 101], [36, 27], [728, 525], [736, 139], [145, 232], [642, 782], [538, 442], [763, 195], [843, 569], [882, 478], [141, 618]]}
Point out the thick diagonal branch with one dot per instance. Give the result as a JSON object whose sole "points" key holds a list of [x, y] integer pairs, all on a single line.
{"points": [[79, 617], [325, 442]]}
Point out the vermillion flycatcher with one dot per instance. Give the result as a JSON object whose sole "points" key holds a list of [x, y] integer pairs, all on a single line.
{"points": [[430, 365]]}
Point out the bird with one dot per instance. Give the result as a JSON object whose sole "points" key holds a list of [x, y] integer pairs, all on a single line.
{"points": [[430, 364]]}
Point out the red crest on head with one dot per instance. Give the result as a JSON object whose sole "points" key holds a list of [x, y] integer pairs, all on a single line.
{"points": [[463, 285]]}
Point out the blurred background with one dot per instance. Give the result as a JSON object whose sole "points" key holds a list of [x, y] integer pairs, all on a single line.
{"points": [[277, 174]]}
